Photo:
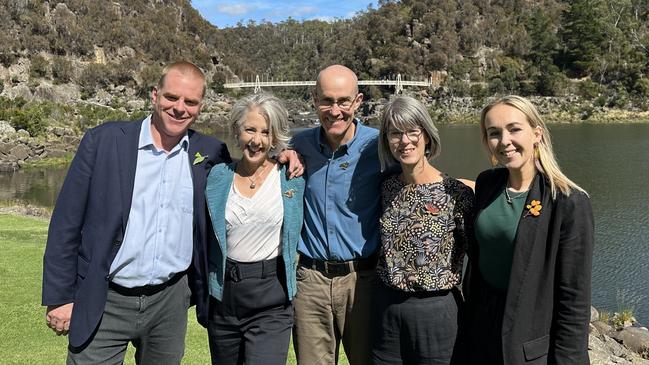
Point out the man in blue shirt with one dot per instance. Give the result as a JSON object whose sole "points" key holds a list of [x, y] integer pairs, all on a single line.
{"points": [[340, 237], [128, 226]]}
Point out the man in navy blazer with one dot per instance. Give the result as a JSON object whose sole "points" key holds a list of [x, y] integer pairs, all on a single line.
{"points": [[129, 226]]}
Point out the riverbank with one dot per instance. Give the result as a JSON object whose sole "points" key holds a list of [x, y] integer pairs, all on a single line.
{"points": [[614, 339], [61, 135]]}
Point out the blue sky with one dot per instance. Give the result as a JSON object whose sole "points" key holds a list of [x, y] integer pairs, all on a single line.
{"points": [[226, 13]]}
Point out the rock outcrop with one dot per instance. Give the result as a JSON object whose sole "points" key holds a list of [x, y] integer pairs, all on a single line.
{"points": [[612, 344]]}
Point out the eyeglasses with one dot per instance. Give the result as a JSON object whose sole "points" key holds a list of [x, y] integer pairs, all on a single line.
{"points": [[395, 135], [328, 104]]}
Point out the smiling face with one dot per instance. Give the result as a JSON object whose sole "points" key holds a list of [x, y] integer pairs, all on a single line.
{"points": [[254, 137], [510, 138], [336, 100], [408, 146], [176, 106]]}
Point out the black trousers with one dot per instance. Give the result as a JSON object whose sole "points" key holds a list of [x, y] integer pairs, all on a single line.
{"points": [[415, 328], [484, 328], [252, 324]]}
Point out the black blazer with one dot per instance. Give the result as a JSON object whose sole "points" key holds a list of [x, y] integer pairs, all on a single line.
{"points": [[547, 308], [90, 217]]}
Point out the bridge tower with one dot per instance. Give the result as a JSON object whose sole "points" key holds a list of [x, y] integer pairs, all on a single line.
{"points": [[257, 84], [398, 88]]}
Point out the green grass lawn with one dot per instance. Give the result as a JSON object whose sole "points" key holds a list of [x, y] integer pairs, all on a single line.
{"points": [[25, 337]]}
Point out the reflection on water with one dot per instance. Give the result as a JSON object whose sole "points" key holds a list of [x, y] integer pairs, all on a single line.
{"points": [[38, 187], [609, 161]]}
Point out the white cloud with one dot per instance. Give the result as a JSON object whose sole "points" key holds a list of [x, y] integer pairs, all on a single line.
{"points": [[303, 10], [236, 9]]}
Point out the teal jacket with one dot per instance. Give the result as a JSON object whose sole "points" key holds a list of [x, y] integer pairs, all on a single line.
{"points": [[218, 186]]}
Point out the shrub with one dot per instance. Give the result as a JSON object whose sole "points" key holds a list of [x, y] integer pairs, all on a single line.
{"points": [[218, 80], [457, 87], [30, 117], [642, 87], [496, 86], [148, 79], [589, 89], [38, 67], [552, 83], [61, 70], [94, 76]]}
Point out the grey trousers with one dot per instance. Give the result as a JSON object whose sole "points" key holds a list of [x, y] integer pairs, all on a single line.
{"points": [[156, 325]]}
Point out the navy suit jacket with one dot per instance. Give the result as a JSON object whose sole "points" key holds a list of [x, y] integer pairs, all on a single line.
{"points": [[90, 216]]}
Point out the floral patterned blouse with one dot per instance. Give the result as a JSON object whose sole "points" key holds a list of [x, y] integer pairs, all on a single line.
{"points": [[425, 233]]}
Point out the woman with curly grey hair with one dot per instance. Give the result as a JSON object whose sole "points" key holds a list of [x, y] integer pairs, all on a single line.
{"points": [[256, 216]]}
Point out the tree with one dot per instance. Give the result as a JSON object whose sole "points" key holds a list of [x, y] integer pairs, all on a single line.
{"points": [[583, 36]]}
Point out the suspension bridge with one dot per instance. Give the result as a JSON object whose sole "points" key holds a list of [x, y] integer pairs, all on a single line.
{"points": [[398, 83]]}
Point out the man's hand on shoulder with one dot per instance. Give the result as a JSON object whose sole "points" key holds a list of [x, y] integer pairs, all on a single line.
{"points": [[295, 164], [58, 318]]}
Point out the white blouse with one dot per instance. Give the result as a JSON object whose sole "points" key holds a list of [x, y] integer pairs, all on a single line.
{"points": [[254, 225]]}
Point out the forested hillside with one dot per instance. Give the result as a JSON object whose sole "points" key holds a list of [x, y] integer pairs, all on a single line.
{"points": [[598, 49], [475, 47]]}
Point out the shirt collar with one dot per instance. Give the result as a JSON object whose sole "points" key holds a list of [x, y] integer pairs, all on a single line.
{"points": [[146, 139], [322, 142]]}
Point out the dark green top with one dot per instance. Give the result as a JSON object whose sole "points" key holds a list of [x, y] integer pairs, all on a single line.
{"points": [[495, 231]]}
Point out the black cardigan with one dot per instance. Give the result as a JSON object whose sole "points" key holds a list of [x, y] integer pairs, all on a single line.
{"points": [[547, 309]]}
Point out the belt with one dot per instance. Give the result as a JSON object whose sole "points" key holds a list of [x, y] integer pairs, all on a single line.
{"points": [[339, 268], [146, 290], [237, 271]]}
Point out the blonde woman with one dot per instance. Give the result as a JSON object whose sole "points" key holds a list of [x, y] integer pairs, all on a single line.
{"points": [[529, 283]]}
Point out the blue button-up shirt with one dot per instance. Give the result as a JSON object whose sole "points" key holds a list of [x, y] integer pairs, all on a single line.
{"points": [[342, 195], [158, 240]]}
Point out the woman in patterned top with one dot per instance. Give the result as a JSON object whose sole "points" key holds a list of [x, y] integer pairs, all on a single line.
{"points": [[424, 236]]}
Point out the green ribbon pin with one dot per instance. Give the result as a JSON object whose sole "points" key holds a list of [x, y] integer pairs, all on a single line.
{"points": [[199, 158]]}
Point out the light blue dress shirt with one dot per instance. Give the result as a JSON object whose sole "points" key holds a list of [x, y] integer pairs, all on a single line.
{"points": [[158, 241], [342, 196]]}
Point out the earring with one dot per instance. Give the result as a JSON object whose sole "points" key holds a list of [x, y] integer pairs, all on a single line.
{"points": [[537, 153]]}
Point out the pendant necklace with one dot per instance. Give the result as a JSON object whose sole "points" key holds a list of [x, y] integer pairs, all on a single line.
{"points": [[510, 199], [253, 177]]}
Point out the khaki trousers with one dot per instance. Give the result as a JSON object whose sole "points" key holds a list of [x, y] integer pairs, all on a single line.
{"points": [[329, 309]]}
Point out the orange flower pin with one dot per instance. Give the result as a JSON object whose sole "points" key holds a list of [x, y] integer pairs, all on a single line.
{"points": [[534, 208], [431, 209]]}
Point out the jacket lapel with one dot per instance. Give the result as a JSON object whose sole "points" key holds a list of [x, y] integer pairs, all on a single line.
{"points": [[127, 160], [216, 194], [528, 238]]}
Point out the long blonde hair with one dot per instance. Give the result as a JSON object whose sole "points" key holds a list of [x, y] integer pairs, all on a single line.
{"points": [[544, 160]]}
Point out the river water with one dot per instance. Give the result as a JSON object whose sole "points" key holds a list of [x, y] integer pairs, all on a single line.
{"points": [[610, 161]]}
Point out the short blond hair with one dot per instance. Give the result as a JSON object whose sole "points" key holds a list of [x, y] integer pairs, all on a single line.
{"points": [[185, 68]]}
